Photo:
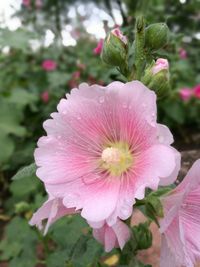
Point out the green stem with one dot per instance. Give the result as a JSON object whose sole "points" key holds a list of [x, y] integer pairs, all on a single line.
{"points": [[139, 46]]}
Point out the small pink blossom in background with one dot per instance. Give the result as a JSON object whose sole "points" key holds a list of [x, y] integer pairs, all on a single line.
{"points": [[26, 3], [160, 64], [76, 75], [97, 50], [180, 225], [182, 53], [186, 94], [196, 91], [94, 128], [81, 66], [112, 236], [38, 3], [120, 35], [49, 65], [45, 96]]}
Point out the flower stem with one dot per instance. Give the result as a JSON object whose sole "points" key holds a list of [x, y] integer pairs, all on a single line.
{"points": [[139, 46]]}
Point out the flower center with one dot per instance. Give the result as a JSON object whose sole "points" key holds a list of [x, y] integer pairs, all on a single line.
{"points": [[116, 158]]}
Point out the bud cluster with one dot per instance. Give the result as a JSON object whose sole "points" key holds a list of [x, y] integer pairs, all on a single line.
{"points": [[119, 52]]}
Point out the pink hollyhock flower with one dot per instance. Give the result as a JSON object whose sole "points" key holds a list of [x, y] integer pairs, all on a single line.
{"points": [[120, 35], [112, 236], [160, 64], [186, 94], [180, 225], [26, 3], [52, 210], [182, 53], [103, 148], [196, 91], [45, 96], [49, 65], [97, 50]]}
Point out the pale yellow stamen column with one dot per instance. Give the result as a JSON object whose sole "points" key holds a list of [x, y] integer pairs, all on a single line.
{"points": [[116, 159]]}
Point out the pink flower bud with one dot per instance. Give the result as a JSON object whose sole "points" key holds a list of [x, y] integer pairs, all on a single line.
{"points": [[182, 53], [45, 97], [97, 50], [49, 65], [185, 94], [161, 64], [26, 3], [196, 91], [119, 34]]}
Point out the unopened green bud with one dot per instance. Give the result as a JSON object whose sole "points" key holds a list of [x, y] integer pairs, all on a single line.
{"points": [[156, 77], [142, 236], [22, 207], [115, 49], [156, 36]]}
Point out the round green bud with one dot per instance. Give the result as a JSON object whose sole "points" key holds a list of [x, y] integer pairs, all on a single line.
{"points": [[114, 50], [156, 36]]}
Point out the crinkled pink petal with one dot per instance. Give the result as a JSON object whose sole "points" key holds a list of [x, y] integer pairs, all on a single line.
{"points": [[180, 224], [111, 237], [52, 210]]}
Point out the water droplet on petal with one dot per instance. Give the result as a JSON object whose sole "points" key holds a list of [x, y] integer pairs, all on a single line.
{"points": [[101, 99], [64, 112]]}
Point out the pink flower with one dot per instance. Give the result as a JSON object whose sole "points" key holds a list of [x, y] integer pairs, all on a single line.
{"points": [[160, 64], [180, 225], [182, 53], [119, 34], [45, 96], [112, 236], [196, 91], [104, 148], [186, 94], [52, 210], [49, 65], [97, 50], [26, 3]]}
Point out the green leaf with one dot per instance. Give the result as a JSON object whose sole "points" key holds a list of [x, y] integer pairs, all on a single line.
{"points": [[6, 147], [25, 172]]}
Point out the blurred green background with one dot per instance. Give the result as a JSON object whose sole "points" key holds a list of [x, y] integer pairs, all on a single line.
{"points": [[47, 48]]}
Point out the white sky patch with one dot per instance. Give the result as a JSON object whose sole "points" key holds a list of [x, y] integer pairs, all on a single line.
{"points": [[93, 20], [7, 9]]}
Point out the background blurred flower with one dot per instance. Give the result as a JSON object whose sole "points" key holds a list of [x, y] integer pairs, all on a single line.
{"points": [[26, 3], [196, 90], [97, 50], [45, 96], [182, 53], [49, 65], [186, 94]]}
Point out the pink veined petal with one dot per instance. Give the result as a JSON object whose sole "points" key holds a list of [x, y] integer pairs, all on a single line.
{"points": [[167, 258], [52, 210], [100, 200], [192, 179], [122, 232], [173, 176], [155, 164], [164, 135]]}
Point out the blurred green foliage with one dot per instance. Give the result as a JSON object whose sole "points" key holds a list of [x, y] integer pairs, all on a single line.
{"points": [[23, 110]]}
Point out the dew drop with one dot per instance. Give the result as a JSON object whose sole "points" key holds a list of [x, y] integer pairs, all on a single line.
{"points": [[124, 105], [101, 99]]}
